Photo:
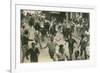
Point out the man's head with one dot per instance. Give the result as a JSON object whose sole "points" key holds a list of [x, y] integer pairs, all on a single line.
{"points": [[33, 44], [26, 32], [61, 46], [51, 39], [23, 26]]}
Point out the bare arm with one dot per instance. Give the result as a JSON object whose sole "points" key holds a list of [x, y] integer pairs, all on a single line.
{"points": [[30, 39], [46, 46], [79, 45], [27, 53], [58, 39], [75, 41], [56, 44]]}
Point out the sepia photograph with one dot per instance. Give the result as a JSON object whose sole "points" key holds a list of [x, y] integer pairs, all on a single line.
{"points": [[53, 36]]}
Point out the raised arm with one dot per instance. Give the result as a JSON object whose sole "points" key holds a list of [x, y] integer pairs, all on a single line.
{"points": [[30, 39]]}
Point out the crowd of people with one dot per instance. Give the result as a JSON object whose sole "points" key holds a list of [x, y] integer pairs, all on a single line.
{"points": [[40, 31]]}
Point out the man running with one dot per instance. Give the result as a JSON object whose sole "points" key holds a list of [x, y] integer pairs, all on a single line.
{"points": [[83, 45], [71, 43], [52, 48], [24, 43]]}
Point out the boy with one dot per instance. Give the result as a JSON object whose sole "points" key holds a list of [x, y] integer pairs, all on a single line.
{"points": [[34, 53], [76, 55], [61, 55]]}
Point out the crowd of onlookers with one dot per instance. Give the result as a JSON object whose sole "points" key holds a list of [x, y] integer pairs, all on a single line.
{"points": [[53, 31]]}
